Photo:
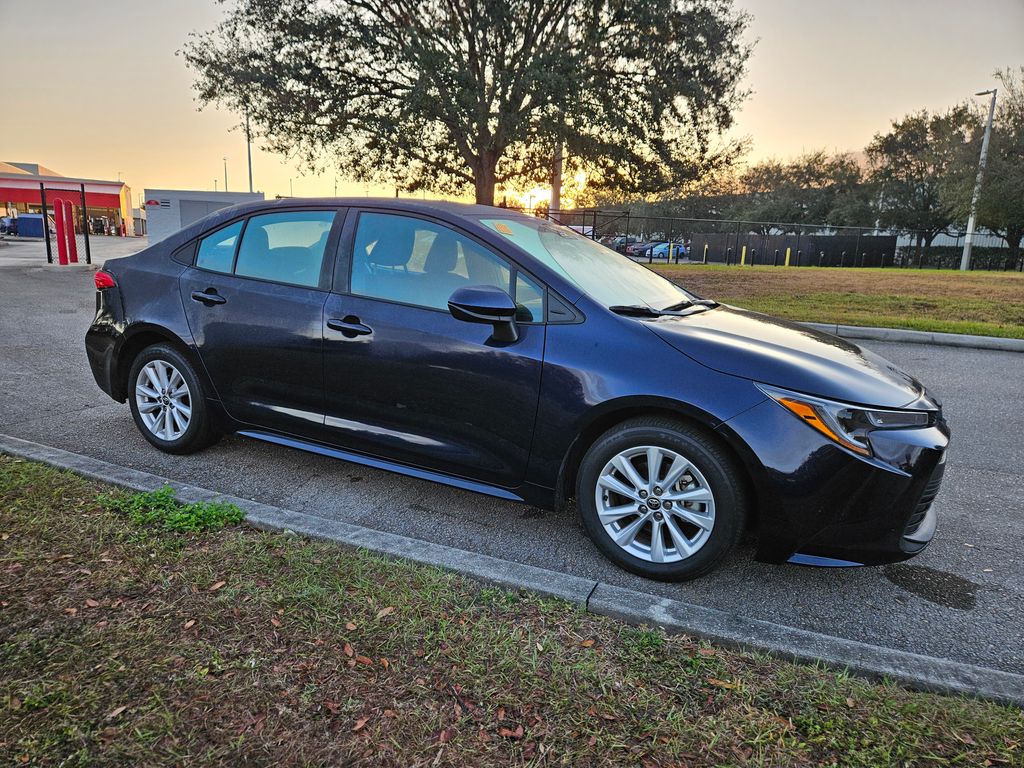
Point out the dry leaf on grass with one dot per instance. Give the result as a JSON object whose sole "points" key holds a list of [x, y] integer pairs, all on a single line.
{"points": [[722, 683], [218, 585]]}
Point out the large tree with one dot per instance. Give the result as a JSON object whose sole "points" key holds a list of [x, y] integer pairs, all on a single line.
{"points": [[910, 166], [1001, 205], [453, 95], [815, 188]]}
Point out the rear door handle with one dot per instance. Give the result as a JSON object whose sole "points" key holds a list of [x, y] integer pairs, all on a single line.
{"points": [[350, 327], [208, 298]]}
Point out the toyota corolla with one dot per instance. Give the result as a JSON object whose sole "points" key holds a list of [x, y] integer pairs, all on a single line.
{"points": [[510, 356]]}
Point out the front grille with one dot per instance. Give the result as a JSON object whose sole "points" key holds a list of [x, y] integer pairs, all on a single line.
{"points": [[931, 490]]}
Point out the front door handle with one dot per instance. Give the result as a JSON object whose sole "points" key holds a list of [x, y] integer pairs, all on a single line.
{"points": [[349, 326], [209, 297]]}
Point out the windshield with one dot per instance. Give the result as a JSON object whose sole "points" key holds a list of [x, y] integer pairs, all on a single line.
{"points": [[598, 271]]}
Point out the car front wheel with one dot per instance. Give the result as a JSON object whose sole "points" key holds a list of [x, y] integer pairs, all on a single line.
{"points": [[167, 401], [661, 499]]}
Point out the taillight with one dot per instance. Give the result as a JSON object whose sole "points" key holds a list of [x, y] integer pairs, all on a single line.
{"points": [[104, 280]]}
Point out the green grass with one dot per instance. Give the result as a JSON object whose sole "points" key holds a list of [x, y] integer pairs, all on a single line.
{"points": [[125, 643], [980, 303], [162, 509]]}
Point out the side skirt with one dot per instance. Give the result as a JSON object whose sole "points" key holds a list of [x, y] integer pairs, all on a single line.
{"points": [[356, 458]]}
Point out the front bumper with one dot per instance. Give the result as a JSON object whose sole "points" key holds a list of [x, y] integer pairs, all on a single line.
{"points": [[815, 498]]}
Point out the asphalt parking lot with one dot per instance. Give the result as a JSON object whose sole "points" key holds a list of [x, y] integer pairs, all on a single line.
{"points": [[962, 599]]}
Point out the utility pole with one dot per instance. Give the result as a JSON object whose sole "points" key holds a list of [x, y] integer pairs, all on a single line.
{"points": [[965, 259], [248, 149], [225, 174], [214, 185]]}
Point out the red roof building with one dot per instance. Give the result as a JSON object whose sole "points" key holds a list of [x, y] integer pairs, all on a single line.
{"points": [[108, 204]]}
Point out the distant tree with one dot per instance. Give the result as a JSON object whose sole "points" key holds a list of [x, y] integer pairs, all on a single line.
{"points": [[911, 164], [813, 189], [1001, 205], [453, 95]]}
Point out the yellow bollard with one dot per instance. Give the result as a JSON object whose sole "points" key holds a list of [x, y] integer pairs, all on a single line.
{"points": [[743, 256], [787, 256]]}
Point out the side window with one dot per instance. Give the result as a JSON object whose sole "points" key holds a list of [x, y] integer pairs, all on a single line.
{"points": [[285, 247], [401, 258], [217, 250]]}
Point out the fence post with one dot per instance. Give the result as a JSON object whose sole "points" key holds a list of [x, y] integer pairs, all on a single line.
{"points": [[85, 224], [799, 255], [775, 259], [842, 259], [728, 256], [743, 256], [705, 253], [46, 224], [789, 250]]}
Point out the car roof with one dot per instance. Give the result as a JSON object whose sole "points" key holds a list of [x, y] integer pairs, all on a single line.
{"points": [[469, 210]]}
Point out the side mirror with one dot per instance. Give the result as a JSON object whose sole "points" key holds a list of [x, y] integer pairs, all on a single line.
{"points": [[486, 304]]}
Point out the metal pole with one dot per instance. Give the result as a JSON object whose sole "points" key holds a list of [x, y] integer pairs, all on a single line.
{"points": [[965, 259], [46, 224], [248, 153], [85, 224], [555, 209], [225, 174]]}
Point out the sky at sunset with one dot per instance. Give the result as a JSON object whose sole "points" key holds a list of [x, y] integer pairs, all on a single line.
{"points": [[95, 89]]}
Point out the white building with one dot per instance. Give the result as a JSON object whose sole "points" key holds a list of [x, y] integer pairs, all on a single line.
{"points": [[168, 210]]}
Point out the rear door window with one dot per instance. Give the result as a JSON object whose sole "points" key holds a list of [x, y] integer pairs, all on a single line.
{"points": [[285, 247]]}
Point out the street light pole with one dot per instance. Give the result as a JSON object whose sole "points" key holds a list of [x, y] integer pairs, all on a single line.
{"points": [[965, 259], [225, 174], [248, 149]]}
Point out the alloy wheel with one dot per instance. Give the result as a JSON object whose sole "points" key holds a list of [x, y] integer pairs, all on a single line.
{"points": [[654, 504], [163, 399]]}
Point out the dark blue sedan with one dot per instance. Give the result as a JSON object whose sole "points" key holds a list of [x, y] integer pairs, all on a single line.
{"points": [[510, 356]]}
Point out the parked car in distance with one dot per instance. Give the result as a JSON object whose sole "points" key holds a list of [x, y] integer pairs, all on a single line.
{"points": [[8, 225], [500, 353]]}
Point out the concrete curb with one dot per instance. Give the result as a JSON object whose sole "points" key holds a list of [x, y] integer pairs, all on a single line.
{"points": [[921, 337], [910, 669]]}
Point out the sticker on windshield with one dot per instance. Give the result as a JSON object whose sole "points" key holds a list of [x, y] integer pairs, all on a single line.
{"points": [[502, 227]]}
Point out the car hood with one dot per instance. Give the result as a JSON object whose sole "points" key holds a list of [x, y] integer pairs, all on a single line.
{"points": [[788, 355]]}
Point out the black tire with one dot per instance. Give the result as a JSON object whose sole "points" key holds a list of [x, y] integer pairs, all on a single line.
{"points": [[711, 460], [200, 431]]}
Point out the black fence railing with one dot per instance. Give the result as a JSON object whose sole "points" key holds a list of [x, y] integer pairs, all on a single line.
{"points": [[723, 241]]}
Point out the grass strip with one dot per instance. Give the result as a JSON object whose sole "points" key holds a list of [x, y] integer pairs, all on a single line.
{"points": [[978, 303], [123, 642]]}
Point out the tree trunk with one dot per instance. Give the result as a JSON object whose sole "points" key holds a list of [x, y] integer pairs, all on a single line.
{"points": [[1013, 238], [485, 179]]}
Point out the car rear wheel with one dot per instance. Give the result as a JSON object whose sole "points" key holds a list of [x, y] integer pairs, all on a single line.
{"points": [[661, 499], [167, 401]]}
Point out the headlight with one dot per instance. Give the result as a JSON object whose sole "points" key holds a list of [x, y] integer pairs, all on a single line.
{"points": [[848, 425]]}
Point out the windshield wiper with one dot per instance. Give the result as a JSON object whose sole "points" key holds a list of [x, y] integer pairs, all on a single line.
{"points": [[675, 307], [638, 310]]}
